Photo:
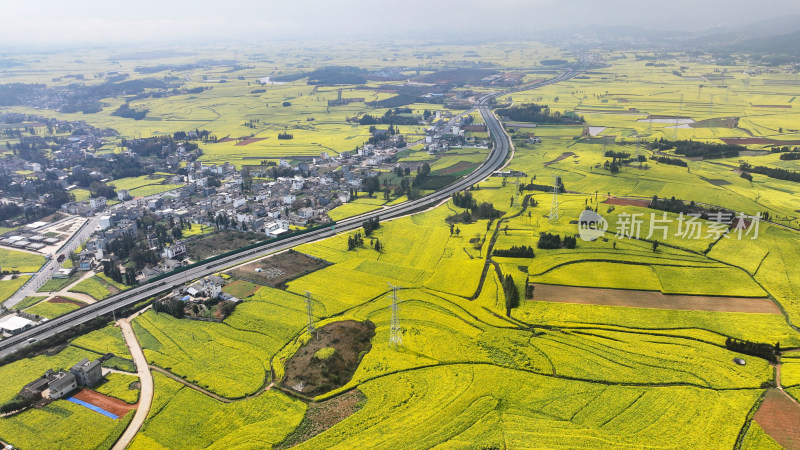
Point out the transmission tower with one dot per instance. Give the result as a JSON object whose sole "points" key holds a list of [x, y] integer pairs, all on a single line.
{"points": [[395, 338], [309, 308], [554, 207], [676, 129]]}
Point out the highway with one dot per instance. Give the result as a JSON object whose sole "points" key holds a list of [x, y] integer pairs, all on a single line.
{"points": [[493, 162]]}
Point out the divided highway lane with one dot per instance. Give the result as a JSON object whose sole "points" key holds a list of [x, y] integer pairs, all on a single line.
{"points": [[494, 161]]}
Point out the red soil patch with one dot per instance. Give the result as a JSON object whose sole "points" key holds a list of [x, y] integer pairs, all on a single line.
{"points": [[779, 416], [627, 202], [771, 106], [110, 404], [65, 300], [249, 141], [563, 156], [757, 141], [651, 299]]}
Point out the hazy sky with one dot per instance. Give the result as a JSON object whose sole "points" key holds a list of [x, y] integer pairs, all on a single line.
{"points": [[131, 21]]}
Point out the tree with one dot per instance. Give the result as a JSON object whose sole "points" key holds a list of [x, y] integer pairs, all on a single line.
{"points": [[511, 294], [177, 233], [655, 245]]}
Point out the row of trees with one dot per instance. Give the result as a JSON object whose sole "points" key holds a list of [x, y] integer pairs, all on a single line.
{"points": [[790, 156], [698, 149], [475, 211], [670, 161], [542, 187], [391, 117], [532, 112], [672, 205], [203, 135], [554, 241], [767, 351], [522, 251], [772, 172]]}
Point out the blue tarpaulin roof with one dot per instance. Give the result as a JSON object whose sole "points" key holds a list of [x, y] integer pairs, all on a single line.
{"points": [[93, 408]]}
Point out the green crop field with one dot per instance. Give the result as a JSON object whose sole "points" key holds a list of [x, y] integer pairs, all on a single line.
{"points": [[102, 341], [21, 261], [756, 438], [241, 288], [9, 287], [256, 423], [28, 302], [476, 403], [118, 386], [93, 287], [52, 310], [57, 284], [144, 185], [62, 424]]}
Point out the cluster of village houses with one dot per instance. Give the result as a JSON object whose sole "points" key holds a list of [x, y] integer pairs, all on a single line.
{"points": [[54, 385], [308, 189]]}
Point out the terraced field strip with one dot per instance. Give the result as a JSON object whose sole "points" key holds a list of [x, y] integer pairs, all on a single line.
{"points": [[651, 299]]}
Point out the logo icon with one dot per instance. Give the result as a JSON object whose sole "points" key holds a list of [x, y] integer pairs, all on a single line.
{"points": [[591, 225]]}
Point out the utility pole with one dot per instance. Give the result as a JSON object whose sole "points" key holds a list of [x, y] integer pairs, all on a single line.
{"points": [[395, 338], [554, 206], [309, 310]]}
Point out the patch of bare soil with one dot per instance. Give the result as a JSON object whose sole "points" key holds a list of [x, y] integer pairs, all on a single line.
{"points": [[200, 248], [758, 141], [563, 156], [249, 141], [627, 202], [110, 404], [651, 299], [52, 351], [322, 415], [458, 168], [276, 270], [65, 300], [779, 417], [329, 361]]}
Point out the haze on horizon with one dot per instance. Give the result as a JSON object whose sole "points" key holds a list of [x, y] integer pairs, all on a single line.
{"points": [[58, 23]]}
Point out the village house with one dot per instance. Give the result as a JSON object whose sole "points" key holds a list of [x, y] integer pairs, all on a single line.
{"points": [[88, 373], [98, 203], [174, 251]]}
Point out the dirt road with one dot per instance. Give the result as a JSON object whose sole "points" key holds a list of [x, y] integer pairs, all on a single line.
{"points": [[146, 381]]}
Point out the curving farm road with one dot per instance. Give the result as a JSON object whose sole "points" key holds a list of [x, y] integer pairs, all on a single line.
{"points": [[145, 380]]}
